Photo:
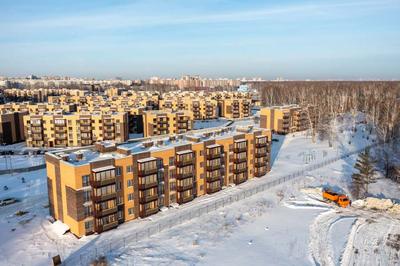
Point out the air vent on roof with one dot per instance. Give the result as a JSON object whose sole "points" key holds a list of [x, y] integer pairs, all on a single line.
{"points": [[65, 157], [148, 144], [78, 156]]}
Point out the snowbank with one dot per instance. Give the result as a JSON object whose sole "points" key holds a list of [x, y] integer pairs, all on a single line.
{"points": [[378, 204], [59, 228]]}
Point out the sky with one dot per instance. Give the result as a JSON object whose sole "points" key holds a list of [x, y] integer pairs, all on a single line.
{"points": [[352, 39]]}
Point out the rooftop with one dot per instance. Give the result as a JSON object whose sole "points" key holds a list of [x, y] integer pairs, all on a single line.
{"points": [[159, 143]]}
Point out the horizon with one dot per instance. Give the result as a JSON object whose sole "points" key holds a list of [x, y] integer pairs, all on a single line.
{"points": [[295, 40]]}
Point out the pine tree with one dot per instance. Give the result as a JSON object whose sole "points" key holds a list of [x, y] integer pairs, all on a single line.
{"points": [[365, 175]]}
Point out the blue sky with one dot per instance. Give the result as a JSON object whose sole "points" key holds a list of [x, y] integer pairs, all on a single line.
{"points": [[137, 39]]}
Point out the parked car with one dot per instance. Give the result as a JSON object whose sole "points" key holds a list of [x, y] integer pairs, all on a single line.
{"points": [[275, 140], [7, 201]]}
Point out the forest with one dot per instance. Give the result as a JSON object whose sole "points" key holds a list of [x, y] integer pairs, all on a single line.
{"points": [[378, 100]]}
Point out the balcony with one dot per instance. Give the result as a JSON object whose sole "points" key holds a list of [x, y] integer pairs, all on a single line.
{"points": [[101, 213], [109, 129], [239, 179], [109, 226], [146, 172], [86, 129], [261, 144], [210, 179], [239, 149], [146, 199], [260, 153], [102, 183], [36, 130], [148, 212], [60, 129], [148, 185], [186, 199], [239, 170], [108, 123], [36, 137], [260, 164], [104, 197], [86, 142], [240, 160], [211, 156], [213, 167], [61, 137], [85, 122], [182, 126], [260, 173], [213, 190], [181, 163], [184, 175], [181, 188]]}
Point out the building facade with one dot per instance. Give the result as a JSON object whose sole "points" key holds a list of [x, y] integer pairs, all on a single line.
{"points": [[163, 122], [287, 119], [74, 129], [11, 127], [96, 190]]}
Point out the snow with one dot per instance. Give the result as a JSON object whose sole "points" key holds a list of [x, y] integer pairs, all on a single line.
{"points": [[289, 224], [8, 162], [200, 124], [59, 228]]}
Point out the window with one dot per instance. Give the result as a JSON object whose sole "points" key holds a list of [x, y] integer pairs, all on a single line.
{"points": [[119, 215], [130, 183], [171, 161], [201, 187], [89, 225], [86, 196], [85, 180], [129, 169], [119, 200], [88, 211], [118, 171], [130, 196], [130, 211]]}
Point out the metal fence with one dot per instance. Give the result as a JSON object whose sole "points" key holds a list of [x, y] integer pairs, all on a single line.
{"points": [[115, 247]]}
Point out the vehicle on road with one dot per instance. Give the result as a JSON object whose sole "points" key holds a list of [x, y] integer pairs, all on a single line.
{"points": [[340, 199]]}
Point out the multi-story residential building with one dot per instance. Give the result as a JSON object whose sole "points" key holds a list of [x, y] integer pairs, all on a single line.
{"points": [[234, 108], [287, 119], [203, 108], [11, 127], [38, 108], [74, 129], [162, 122], [94, 190]]}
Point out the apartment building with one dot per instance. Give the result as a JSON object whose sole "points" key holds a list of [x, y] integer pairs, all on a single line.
{"points": [[37, 108], [234, 108], [287, 119], [203, 108], [11, 126], [74, 129], [94, 190], [163, 122]]}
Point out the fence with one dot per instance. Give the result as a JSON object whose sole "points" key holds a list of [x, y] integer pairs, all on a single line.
{"points": [[114, 247], [22, 170]]}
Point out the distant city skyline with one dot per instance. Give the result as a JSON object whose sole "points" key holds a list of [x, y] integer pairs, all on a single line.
{"points": [[295, 40]]}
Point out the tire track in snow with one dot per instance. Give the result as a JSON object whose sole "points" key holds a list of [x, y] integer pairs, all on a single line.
{"points": [[320, 241]]}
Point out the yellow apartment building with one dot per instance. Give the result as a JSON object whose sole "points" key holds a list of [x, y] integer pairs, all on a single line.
{"points": [[287, 119], [74, 129], [234, 108], [163, 122], [11, 126], [96, 189]]}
